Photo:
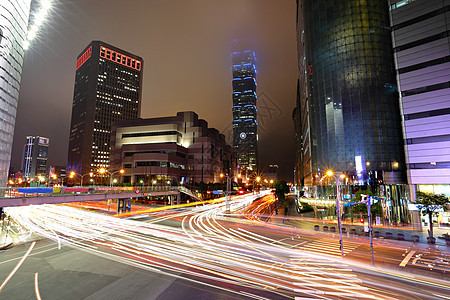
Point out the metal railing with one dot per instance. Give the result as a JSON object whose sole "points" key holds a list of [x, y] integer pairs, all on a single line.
{"points": [[13, 192]]}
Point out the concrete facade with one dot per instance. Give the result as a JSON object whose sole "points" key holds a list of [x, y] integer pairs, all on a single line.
{"points": [[169, 150], [422, 58]]}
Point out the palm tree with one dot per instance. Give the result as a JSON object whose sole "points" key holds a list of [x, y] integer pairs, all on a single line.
{"points": [[429, 203]]}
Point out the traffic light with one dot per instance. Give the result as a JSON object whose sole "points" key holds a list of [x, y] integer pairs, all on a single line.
{"points": [[361, 220]]}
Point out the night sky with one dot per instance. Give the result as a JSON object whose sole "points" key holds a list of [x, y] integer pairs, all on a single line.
{"points": [[186, 47]]}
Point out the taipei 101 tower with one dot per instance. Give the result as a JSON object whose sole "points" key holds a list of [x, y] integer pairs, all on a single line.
{"points": [[245, 135]]}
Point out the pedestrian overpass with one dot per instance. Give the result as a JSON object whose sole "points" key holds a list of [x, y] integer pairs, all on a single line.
{"points": [[23, 196]]}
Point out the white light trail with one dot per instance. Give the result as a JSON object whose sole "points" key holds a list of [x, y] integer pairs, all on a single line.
{"points": [[207, 246]]}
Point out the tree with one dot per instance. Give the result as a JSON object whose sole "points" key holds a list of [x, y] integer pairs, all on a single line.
{"points": [[429, 203], [361, 208], [359, 193], [281, 188]]}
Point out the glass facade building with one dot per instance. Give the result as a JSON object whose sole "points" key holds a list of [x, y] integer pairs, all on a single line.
{"points": [[13, 29], [35, 153], [108, 88], [350, 115], [245, 126]]}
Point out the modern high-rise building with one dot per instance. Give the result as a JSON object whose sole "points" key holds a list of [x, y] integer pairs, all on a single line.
{"points": [[245, 135], [108, 88], [13, 31], [35, 153], [420, 32], [350, 116]]}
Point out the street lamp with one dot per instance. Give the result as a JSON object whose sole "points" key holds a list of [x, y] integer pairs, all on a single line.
{"points": [[330, 173], [72, 174], [82, 176], [227, 204], [102, 171], [121, 171]]}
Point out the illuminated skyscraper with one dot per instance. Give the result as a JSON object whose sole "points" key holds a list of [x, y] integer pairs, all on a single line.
{"points": [[108, 88], [14, 16], [350, 115], [245, 135], [35, 154]]}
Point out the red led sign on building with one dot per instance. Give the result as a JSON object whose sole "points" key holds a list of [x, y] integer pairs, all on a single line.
{"points": [[83, 58], [120, 58]]}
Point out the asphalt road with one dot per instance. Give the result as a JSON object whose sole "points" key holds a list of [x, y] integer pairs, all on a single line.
{"points": [[71, 273], [205, 253]]}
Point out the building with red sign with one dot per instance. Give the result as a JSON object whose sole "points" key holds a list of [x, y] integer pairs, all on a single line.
{"points": [[108, 88]]}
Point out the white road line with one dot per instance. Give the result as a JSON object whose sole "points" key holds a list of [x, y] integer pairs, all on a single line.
{"points": [[36, 287], [407, 258], [17, 266]]}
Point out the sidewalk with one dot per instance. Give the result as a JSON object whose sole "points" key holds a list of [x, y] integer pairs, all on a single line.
{"points": [[298, 220]]}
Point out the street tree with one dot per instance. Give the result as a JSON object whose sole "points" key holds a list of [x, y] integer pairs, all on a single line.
{"points": [[281, 188], [429, 204]]}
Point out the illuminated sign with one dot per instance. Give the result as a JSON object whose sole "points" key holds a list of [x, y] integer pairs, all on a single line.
{"points": [[358, 163], [120, 58], [43, 141], [83, 58]]}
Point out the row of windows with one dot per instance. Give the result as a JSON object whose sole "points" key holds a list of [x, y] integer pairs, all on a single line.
{"points": [[434, 165], [163, 164], [159, 133], [400, 4], [426, 64], [427, 114], [83, 58], [425, 89], [428, 139], [176, 153], [426, 40], [422, 17], [120, 58]]}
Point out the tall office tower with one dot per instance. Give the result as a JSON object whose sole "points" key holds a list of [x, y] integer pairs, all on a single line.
{"points": [[13, 28], [420, 31], [35, 154], [108, 88], [349, 105], [245, 126]]}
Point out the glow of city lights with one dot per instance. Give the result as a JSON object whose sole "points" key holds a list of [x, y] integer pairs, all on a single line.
{"points": [[205, 248], [39, 18]]}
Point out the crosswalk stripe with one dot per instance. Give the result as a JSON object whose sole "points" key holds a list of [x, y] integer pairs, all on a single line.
{"points": [[407, 258]]}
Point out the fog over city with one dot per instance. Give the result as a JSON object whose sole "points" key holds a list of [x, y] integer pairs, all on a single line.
{"points": [[187, 66]]}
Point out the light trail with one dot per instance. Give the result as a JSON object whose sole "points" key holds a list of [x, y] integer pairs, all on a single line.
{"points": [[213, 249], [17, 267]]}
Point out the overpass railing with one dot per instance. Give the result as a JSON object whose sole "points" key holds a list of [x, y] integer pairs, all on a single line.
{"points": [[13, 192]]}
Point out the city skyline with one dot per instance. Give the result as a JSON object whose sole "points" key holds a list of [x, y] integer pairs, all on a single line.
{"points": [[175, 182], [272, 27]]}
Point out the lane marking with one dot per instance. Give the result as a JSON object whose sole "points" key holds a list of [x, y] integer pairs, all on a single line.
{"points": [[36, 286], [17, 266], [407, 258]]}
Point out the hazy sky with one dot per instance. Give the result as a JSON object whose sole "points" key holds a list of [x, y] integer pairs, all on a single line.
{"points": [[186, 47]]}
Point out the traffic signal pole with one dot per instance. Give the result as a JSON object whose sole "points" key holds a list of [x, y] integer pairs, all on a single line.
{"points": [[369, 199], [369, 203], [338, 211]]}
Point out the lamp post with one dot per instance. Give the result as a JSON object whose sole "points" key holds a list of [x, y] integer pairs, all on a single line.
{"points": [[103, 171], [82, 176], [121, 171], [227, 204], [338, 206], [369, 204]]}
